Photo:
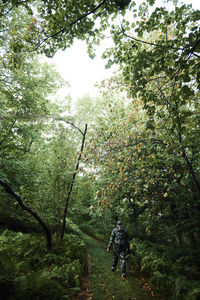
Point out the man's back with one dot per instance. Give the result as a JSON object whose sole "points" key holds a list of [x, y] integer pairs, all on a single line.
{"points": [[121, 237]]}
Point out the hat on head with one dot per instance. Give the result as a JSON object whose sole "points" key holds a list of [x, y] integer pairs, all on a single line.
{"points": [[119, 223]]}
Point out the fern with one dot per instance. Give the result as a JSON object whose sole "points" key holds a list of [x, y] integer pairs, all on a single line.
{"points": [[29, 271], [170, 270]]}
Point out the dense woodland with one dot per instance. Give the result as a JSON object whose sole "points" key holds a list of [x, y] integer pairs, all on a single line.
{"points": [[130, 154]]}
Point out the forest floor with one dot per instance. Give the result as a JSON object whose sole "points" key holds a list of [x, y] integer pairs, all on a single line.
{"points": [[102, 284]]}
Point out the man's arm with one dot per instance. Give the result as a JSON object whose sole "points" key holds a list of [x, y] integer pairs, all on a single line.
{"points": [[112, 237]]}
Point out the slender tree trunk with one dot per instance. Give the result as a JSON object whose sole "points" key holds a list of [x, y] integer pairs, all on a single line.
{"points": [[72, 183], [9, 190]]}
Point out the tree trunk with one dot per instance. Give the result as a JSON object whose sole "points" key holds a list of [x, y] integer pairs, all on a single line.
{"points": [[72, 183], [9, 190]]}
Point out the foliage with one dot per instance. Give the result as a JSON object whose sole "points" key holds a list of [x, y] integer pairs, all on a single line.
{"points": [[169, 89], [29, 271], [142, 148], [25, 96], [46, 26]]}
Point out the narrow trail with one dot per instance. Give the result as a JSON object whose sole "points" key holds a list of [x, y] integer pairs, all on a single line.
{"points": [[102, 284]]}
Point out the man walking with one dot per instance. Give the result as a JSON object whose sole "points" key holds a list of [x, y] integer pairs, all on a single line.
{"points": [[120, 242]]}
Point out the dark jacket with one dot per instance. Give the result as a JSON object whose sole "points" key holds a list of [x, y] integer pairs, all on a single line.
{"points": [[119, 238]]}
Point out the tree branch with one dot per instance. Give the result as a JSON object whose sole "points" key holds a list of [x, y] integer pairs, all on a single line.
{"points": [[28, 116], [68, 122], [16, 4], [148, 43], [71, 24], [191, 51], [7, 12]]}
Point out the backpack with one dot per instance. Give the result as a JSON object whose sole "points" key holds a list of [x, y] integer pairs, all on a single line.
{"points": [[121, 237]]}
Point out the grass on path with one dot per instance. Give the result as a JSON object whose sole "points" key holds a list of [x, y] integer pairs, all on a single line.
{"points": [[106, 285]]}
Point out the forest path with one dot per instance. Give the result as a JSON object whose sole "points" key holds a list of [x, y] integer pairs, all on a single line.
{"points": [[102, 284]]}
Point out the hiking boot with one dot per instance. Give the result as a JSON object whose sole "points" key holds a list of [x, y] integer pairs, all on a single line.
{"points": [[113, 269]]}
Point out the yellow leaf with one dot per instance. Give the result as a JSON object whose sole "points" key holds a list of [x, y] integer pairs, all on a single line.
{"points": [[34, 20], [165, 195]]}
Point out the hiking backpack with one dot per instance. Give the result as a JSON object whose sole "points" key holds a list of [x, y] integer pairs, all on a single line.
{"points": [[121, 237]]}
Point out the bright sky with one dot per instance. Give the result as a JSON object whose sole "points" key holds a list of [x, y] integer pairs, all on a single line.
{"points": [[82, 72]]}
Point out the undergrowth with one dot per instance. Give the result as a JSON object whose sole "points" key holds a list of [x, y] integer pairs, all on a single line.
{"points": [[29, 271], [172, 271]]}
